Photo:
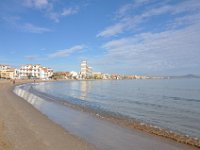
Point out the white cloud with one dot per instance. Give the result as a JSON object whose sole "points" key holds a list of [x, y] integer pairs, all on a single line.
{"points": [[112, 30], [47, 8], [70, 11], [172, 48], [36, 3], [129, 19], [53, 16], [56, 16], [16, 23], [66, 52], [125, 9], [186, 20], [28, 27], [167, 50]]}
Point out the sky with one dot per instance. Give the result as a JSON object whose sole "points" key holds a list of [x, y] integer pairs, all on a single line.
{"points": [[146, 37]]}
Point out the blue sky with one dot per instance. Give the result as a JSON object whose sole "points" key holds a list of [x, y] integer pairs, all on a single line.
{"points": [[116, 36]]}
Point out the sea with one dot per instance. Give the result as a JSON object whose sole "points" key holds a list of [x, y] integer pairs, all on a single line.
{"points": [[172, 104]]}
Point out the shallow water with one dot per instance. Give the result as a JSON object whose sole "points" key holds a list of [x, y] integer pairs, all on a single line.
{"points": [[171, 104], [103, 134]]}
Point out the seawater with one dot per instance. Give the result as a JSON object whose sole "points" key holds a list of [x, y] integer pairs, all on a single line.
{"points": [[101, 133], [171, 104]]}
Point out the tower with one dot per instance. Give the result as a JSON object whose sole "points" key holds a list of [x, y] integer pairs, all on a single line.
{"points": [[86, 71]]}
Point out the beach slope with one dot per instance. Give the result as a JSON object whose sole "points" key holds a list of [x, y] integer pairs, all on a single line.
{"points": [[24, 128]]}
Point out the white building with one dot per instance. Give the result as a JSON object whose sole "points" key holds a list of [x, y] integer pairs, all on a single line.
{"points": [[106, 76], [86, 71], [74, 74], [4, 67], [34, 71]]}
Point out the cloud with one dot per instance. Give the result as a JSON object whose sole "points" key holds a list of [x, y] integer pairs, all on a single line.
{"points": [[17, 23], [66, 52], [36, 3], [155, 52], [125, 9], [53, 16], [28, 27], [11, 19], [131, 16], [56, 16], [70, 11], [47, 7], [142, 42], [112, 30]]}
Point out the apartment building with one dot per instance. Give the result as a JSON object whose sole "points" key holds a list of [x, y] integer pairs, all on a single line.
{"points": [[34, 71], [7, 72], [10, 73], [4, 67]]}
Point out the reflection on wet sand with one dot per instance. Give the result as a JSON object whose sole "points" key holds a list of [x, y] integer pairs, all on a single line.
{"points": [[31, 98]]}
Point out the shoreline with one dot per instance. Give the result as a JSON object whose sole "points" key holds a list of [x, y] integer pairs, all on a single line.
{"points": [[134, 124], [121, 122], [23, 127]]}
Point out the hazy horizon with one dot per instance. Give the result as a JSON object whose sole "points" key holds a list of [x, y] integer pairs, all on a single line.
{"points": [[145, 37]]}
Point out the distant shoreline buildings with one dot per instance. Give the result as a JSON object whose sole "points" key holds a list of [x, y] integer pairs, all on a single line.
{"points": [[87, 73], [28, 71], [38, 71]]}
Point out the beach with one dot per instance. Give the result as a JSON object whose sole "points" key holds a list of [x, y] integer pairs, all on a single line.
{"points": [[23, 127]]}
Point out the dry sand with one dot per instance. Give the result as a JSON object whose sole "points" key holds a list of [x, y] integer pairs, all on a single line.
{"points": [[24, 128]]}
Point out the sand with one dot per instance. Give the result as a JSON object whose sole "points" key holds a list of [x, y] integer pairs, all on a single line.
{"points": [[24, 128]]}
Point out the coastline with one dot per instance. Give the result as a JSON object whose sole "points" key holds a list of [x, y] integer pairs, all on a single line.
{"points": [[34, 119], [23, 127], [148, 129], [138, 125]]}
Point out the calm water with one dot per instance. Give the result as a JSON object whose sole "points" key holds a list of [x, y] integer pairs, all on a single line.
{"points": [[171, 104]]}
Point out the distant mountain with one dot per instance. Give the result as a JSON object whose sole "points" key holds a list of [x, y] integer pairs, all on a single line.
{"points": [[184, 76]]}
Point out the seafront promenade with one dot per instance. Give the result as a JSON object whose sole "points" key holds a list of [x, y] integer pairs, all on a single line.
{"points": [[24, 128]]}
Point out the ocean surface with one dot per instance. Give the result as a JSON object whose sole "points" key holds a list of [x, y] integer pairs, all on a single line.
{"points": [[101, 133], [172, 104]]}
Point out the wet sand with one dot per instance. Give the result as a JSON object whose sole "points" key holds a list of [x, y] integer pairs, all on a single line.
{"points": [[22, 127]]}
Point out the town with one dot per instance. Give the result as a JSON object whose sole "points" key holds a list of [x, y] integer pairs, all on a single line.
{"points": [[37, 71]]}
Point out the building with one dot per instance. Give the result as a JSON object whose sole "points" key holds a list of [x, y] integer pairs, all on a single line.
{"points": [[97, 75], [86, 71], [74, 75], [10, 73], [7, 72], [62, 75], [34, 71], [106, 76], [49, 72], [4, 67]]}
